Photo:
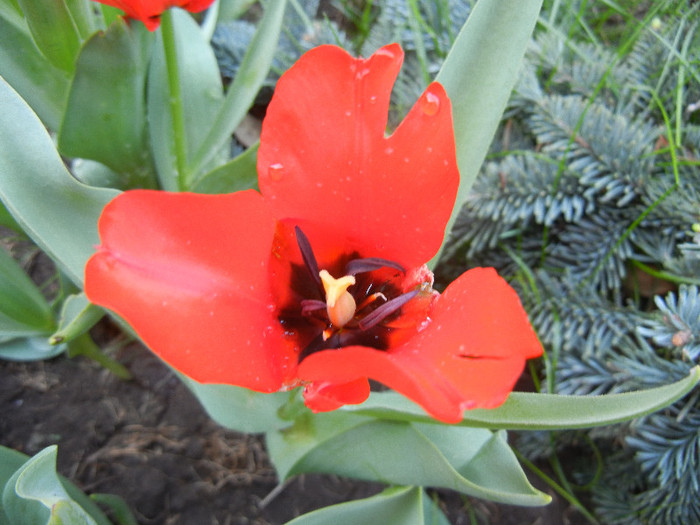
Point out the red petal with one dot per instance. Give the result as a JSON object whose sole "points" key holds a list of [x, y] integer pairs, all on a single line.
{"points": [[469, 356], [324, 156], [324, 397], [190, 274], [149, 11]]}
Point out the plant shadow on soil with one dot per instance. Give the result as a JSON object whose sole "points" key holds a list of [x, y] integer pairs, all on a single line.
{"points": [[149, 441]]}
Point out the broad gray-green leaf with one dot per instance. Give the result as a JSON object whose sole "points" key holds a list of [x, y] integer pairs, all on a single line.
{"points": [[35, 494], [238, 408], [472, 461], [529, 411], [105, 119], [394, 506], [479, 74], [54, 209], [201, 92], [35, 348]]}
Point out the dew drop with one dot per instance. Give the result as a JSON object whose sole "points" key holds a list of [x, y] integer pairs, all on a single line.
{"points": [[275, 171], [348, 113], [423, 325], [362, 73], [373, 99], [430, 104], [389, 150], [385, 52]]}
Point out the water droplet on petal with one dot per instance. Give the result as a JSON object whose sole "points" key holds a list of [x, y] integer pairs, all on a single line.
{"points": [[373, 99], [430, 103], [275, 172], [385, 52], [348, 113], [424, 324], [362, 73], [389, 150]]}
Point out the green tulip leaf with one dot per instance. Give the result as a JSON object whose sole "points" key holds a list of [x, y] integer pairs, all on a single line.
{"points": [[110, 14], [30, 73], [530, 411], [78, 315], [84, 16], [54, 209], [53, 30], [8, 221], [479, 74], [201, 97], [23, 309], [249, 79], [34, 494], [105, 119], [395, 506], [476, 462], [118, 508], [238, 174]]}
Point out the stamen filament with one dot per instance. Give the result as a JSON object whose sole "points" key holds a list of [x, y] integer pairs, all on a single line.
{"points": [[370, 299], [385, 310], [311, 305], [307, 254], [369, 264]]}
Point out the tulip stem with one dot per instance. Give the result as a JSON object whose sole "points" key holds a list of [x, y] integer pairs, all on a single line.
{"points": [[175, 98]]}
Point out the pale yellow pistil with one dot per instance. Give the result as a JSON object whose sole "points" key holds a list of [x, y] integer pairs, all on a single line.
{"points": [[340, 304]]}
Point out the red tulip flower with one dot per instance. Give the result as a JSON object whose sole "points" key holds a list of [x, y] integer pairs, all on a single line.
{"points": [[318, 280], [149, 11]]}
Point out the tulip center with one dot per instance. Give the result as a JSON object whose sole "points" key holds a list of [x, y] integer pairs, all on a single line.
{"points": [[358, 308], [340, 305]]}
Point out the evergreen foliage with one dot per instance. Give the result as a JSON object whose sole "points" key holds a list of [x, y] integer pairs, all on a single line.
{"points": [[426, 30], [304, 27], [590, 204]]}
